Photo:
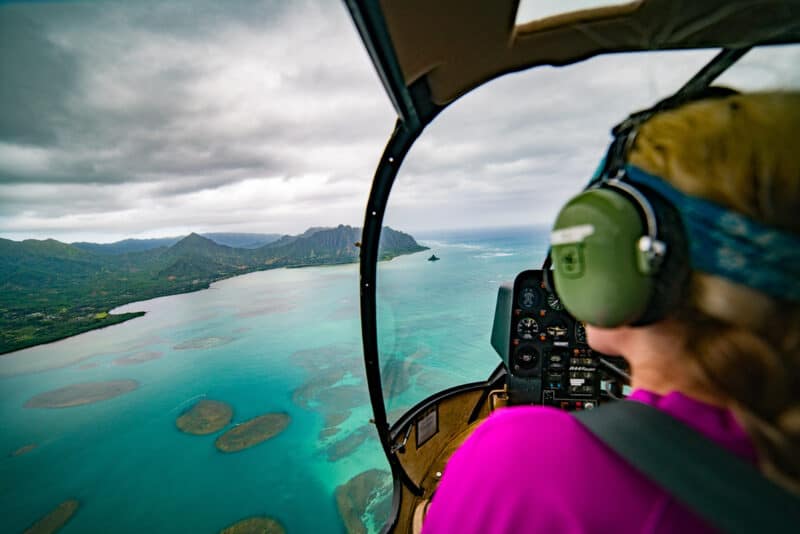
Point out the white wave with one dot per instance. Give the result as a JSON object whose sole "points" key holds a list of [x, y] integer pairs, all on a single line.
{"points": [[445, 244], [495, 254], [187, 401]]}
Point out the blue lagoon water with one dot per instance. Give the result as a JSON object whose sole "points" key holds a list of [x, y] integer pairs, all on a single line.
{"points": [[285, 340]]}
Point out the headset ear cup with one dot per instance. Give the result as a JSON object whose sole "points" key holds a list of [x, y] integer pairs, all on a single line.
{"points": [[670, 282], [595, 257]]}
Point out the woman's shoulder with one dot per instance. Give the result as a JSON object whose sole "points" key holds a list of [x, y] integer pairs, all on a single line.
{"points": [[545, 428], [527, 466], [522, 440]]}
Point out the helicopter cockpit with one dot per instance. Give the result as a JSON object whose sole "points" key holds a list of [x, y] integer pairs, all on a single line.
{"points": [[429, 391]]}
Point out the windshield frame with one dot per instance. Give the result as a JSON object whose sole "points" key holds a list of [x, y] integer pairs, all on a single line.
{"points": [[401, 141]]}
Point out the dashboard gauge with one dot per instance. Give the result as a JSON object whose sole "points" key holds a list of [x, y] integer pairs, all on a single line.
{"points": [[554, 302], [557, 332], [580, 332], [528, 298], [526, 357], [527, 328]]}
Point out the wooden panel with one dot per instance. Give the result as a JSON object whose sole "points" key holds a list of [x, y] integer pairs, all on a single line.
{"points": [[426, 463]]}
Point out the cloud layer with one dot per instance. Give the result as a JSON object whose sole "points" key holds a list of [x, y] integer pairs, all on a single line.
{"points": [[122, 120]]}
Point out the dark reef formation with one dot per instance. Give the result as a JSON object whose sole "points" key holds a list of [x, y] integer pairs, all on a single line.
{"points": [[24, 449], [205, 417], [56, 519], [252, 432], [255, 525], [365, 498], [334, 388], [348, 444]]}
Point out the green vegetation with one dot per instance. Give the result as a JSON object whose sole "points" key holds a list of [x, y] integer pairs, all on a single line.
{"points": [[51, 290]]}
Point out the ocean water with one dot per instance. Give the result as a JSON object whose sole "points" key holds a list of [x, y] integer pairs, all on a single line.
{"points": [[285, 340]]}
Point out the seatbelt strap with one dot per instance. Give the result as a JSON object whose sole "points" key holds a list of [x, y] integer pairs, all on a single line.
{"points": [[723, 489]]}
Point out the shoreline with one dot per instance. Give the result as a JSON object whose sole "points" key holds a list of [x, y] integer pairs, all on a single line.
{"points": [[116, 319]]}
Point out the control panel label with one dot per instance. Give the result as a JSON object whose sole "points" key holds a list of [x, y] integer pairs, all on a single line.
{"points": [[427, 426]]}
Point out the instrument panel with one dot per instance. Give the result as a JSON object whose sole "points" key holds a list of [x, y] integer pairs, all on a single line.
{"points": [[548, 359]]}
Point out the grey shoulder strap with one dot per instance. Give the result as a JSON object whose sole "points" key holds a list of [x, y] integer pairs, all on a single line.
{"points": [[726, 491]]}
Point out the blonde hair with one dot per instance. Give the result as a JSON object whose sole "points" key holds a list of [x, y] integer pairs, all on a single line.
{"points": [[743, 152]]}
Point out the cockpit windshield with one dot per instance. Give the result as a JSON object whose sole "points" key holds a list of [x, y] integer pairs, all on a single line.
{"points": [[481, 187]]}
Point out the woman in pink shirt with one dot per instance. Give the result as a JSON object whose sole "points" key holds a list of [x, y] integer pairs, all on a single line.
{"points": [[724, 361]]}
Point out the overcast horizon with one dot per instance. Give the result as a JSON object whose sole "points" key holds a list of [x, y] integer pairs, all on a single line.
{"points": [[160, 119]]}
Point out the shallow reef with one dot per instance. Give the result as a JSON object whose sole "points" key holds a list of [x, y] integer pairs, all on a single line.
{"points": [[138, 358], [252, 432], [80, 394], [24, 449], [205, 417], [56, 519], [365, 499], [255, 525], [203, 343], [347, 445]]}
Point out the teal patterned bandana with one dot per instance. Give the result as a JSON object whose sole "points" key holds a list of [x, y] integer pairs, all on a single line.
{"points": [[731, 245]]}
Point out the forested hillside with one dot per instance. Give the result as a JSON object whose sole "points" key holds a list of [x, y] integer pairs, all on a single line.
{"points": [[50, 290]]}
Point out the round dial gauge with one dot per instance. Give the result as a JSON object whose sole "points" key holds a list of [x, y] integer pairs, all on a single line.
{"points": [[526, 357], [527, 328], [554, 302], [528, 298], [580, 332]]}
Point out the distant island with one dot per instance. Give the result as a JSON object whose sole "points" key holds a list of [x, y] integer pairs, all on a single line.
{"points": [[50, 290]]}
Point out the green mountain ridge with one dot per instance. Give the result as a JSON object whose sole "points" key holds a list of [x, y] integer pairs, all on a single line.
{"points": [[50, 290], [231, 239]]}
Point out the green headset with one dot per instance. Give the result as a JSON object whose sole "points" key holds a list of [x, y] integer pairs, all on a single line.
{"points": [[619, 255], [619, 251]]}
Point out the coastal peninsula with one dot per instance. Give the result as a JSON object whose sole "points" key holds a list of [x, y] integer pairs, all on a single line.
{"points": [[80, 394], [205, 417], [252, 432], [54, 290]]}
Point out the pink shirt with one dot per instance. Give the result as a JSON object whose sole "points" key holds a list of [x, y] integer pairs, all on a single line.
{"points": [[537, 469]]}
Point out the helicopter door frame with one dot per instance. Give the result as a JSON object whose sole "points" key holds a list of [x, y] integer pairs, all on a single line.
{"points": [[405, 133]]}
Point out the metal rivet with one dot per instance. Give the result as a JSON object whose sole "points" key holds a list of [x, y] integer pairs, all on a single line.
{"points": [[374, 213], [391, 159]]}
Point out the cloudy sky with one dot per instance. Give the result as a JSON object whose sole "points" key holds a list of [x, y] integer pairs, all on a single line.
{"points": [[159, 118]]}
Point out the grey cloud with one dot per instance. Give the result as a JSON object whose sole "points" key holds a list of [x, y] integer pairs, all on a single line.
{"points": [[268, 115], [38, 78]]}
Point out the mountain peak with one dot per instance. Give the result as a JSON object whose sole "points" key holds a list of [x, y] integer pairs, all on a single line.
{"points": [[194, 241]]}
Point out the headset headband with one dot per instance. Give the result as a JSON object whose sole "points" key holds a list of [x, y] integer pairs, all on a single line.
{"points": [[729, 244]]}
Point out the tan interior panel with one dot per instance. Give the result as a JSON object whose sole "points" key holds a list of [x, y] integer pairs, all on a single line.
{"points": [[459, 44]]}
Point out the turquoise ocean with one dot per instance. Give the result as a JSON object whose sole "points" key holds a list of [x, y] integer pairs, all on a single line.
{"points": [[285, 340]]}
